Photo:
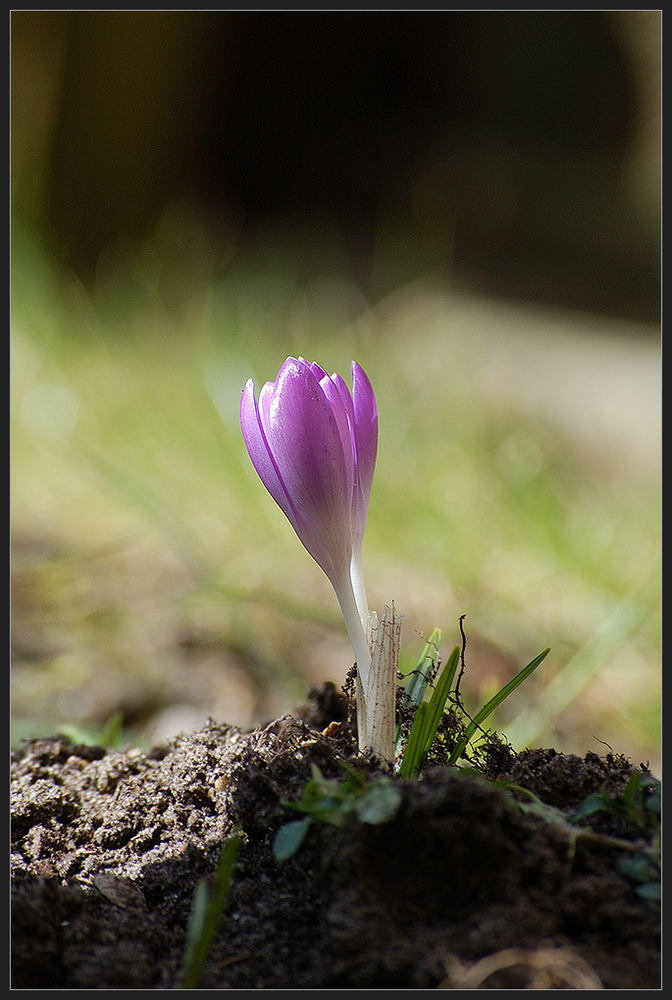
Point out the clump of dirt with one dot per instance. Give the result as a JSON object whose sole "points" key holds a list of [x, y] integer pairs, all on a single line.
{"points": [[462, 888]]}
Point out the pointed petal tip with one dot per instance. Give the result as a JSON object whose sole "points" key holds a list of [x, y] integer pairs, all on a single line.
{"points": [[248, 408], [245, 393]]}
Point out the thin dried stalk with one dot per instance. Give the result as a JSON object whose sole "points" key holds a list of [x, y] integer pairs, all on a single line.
{"points": [[376, 701]]}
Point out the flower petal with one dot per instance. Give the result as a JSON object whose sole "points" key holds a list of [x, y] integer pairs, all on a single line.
{"points": [[260, 452], [366, 439], [344, 419], [306, 471]]}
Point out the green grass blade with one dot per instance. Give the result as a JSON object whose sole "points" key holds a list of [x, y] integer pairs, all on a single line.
{"points": [[205, 915], [494, 703], [199, 908], [412, 759], [420, 675], [437, 702], [427, 719]]}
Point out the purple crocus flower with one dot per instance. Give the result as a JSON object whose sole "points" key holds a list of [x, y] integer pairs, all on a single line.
{"points": [[314, 446]]}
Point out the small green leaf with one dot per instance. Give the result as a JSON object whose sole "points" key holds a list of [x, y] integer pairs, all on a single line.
{"points": [[593, 803], [650, 892], [336, 803], [641, 793], [653, 796], [355, 780], [635, 868], [316, 775], [550, 814], [289, 838], [379, 802]]}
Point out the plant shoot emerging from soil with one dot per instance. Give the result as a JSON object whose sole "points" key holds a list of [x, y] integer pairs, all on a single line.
{"points": [[313, 443]]}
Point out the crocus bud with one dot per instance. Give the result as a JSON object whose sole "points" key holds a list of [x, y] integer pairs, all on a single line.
{"points": [[314, 445]]}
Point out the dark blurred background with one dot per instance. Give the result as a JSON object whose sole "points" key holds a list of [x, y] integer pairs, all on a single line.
{"points": [[511, 152]]}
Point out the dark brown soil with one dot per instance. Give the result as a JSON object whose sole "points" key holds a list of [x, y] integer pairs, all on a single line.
{"points": [[463, 888]]}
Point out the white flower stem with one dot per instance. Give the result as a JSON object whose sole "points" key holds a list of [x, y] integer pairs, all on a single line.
{"points": [[359, 588], [355, 627], [376, 648]]}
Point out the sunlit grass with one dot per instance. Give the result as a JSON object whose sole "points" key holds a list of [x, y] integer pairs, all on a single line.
{"points": [[142, 536]]}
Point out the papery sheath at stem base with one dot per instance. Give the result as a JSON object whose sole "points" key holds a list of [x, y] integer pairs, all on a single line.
{"points": [[376, 700]]}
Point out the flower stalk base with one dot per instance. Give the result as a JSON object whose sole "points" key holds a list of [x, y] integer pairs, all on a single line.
{"points": [[376, 696]]}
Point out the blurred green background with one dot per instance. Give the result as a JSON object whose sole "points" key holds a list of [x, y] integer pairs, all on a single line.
{"points": [[466, 203]]}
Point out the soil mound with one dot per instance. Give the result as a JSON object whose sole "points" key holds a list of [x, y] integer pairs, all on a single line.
{"points": [[469, 885]]}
